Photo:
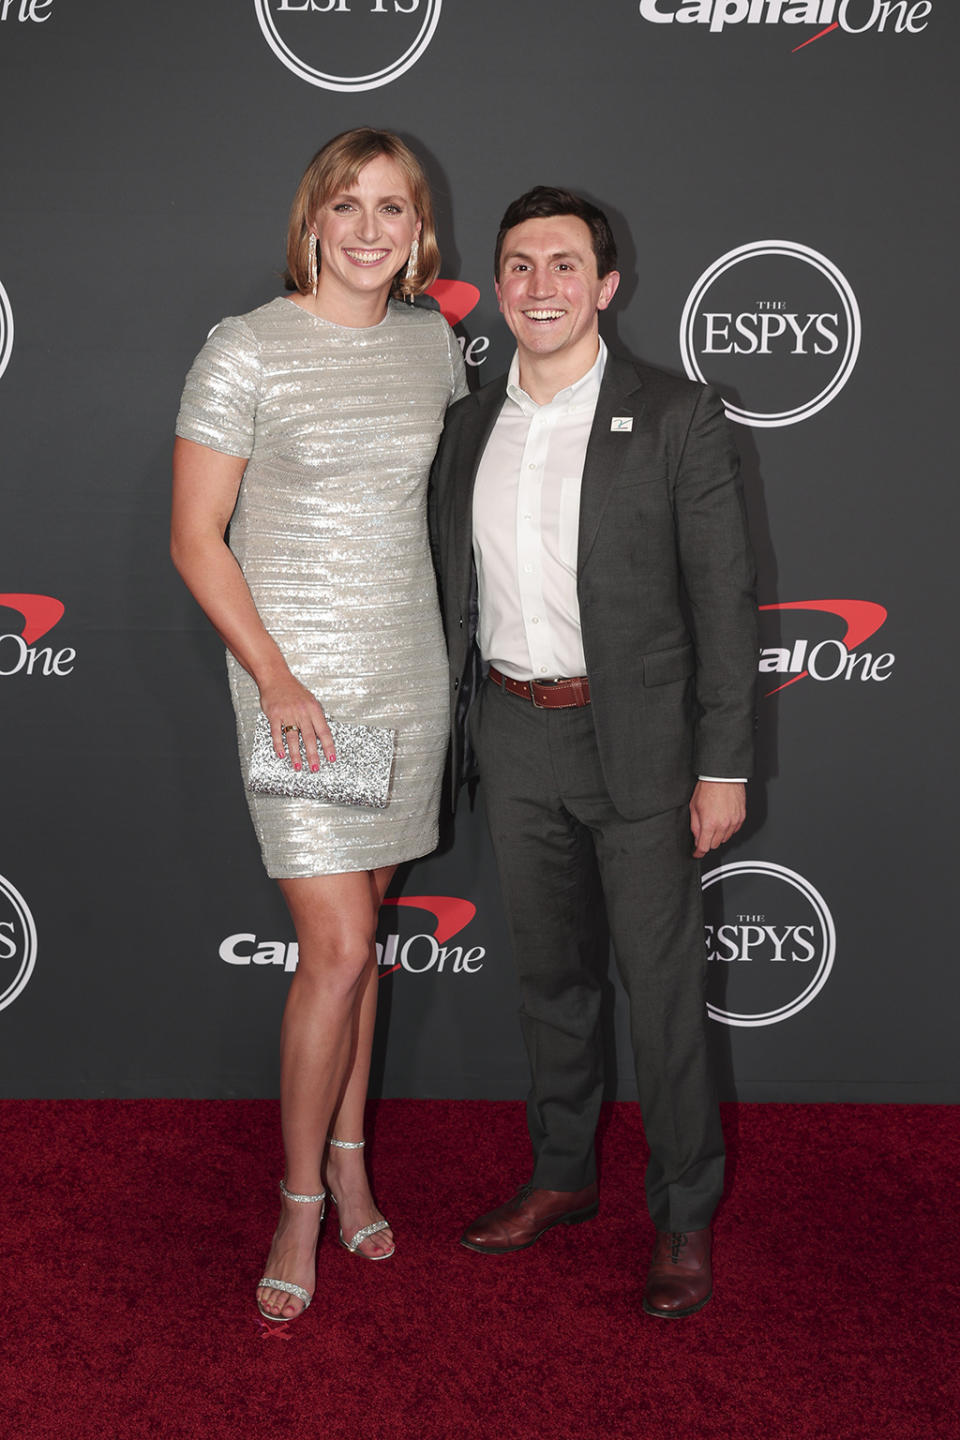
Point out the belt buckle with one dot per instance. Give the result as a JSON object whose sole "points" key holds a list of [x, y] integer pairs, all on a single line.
{"points": [[546, 684]]}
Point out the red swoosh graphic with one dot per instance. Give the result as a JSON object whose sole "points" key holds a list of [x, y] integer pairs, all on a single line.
{"points": [[451, 913], [863, 618], [819, 36], [40, 613], [456, 299]]}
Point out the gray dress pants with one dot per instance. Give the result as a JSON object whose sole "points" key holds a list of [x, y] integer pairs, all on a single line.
{"points": [[563, 852]]}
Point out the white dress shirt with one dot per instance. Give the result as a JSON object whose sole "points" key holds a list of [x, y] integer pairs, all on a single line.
{"points": [[526, 521]]}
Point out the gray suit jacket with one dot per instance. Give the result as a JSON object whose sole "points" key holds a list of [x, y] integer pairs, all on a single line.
{"points": [[665, 580]]}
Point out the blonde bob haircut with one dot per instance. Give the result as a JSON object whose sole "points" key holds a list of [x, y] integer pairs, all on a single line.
{"points": [[335, 168]]}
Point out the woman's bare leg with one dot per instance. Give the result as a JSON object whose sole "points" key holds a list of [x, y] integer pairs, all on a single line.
{"points": [[335, 918], [346, 1169]]}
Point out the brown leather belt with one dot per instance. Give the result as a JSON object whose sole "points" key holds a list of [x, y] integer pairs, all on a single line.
{"points": [[547, 694]]}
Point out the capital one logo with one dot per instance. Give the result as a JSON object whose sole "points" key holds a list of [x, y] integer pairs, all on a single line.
{"points": [[425, 952], [771, 942], [419, 953], [18, 943], [856, 17], [829, 657], [25, 10], [773, 322], [19, 652], [456, 299], [348, 44], [6, 329]]}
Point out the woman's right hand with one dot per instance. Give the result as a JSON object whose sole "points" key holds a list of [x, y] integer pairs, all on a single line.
{"points": [[290, 707]]}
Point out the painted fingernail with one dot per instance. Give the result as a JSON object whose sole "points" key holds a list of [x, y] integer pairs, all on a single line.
{"points": [[333, 757], [314, 767], [297, 765]]}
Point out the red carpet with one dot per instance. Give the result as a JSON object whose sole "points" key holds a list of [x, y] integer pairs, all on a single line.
{"points": [[134, 1233]]}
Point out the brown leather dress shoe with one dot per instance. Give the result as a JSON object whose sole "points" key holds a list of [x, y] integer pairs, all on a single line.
{"points": [[680, 1281], [524, 1219]]}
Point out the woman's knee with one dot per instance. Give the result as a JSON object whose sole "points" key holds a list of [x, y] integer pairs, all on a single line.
{"points": [[336, 923], [343, 958]]}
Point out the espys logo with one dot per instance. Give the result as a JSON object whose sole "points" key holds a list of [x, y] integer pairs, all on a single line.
{"points": [[775, 321], [18, 653], [770, 942], [456, 299], [831, 657], [417, 954], [855, 17], [348, 44], [6, 329], [18, 943]]}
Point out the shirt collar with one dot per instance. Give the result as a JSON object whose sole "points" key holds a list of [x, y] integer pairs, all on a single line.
{"points": [[580, 395]]}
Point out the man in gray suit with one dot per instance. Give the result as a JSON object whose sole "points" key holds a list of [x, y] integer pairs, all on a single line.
{"points": [[599, 608]]}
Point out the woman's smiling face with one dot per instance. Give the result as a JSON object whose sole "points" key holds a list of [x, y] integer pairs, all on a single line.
{"points": [[365, 231]]}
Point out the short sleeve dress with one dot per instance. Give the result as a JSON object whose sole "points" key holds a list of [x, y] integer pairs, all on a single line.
{"points": [[338, 427]]}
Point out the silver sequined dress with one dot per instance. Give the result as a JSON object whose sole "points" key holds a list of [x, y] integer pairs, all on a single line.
{"points": [[339, 427]]}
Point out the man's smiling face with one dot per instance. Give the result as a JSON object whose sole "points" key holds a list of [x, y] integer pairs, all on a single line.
{"points": [[549, 290]]}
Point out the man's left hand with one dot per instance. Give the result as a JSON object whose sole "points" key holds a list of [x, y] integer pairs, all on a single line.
{"points": [[717, 810]]}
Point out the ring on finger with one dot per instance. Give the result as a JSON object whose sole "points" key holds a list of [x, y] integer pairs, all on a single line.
{"points": [[285, 728]]}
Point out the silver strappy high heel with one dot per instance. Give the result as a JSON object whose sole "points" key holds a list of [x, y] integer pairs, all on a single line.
{"points": [[353, 1245], [297, 1291]]}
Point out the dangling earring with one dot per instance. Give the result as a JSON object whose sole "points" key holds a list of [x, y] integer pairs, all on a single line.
{"points": [[312, 254], [410, 274]]}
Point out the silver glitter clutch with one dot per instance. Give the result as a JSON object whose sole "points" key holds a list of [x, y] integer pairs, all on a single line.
{"points": [[360, 775]]}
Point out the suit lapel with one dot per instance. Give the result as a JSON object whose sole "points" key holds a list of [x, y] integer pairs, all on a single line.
{"points": [[619, 411], [478, 425]]}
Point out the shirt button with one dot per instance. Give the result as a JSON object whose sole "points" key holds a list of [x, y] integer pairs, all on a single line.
{"points": [[543, 669], [531, 467], [528, 569], [534, 619]]}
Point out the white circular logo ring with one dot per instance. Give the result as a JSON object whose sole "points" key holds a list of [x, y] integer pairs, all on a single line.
{"points": [[348, 82], [828, 937], [851, 311], [6, 329], [29, 934]]}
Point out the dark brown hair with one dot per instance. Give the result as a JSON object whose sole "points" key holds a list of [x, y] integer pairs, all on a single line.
{"points": [[542, 203]]}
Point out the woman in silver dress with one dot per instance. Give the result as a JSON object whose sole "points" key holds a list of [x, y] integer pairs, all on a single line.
{"points": [[309, 426]]}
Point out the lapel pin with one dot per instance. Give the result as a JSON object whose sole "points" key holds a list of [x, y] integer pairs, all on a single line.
{"points": [[621, 422]]}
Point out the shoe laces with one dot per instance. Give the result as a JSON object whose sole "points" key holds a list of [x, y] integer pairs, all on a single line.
{"points": [[678, 1240]]}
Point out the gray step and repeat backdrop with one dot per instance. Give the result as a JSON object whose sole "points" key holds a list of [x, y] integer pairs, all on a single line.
{"points": [[778, 176]]}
